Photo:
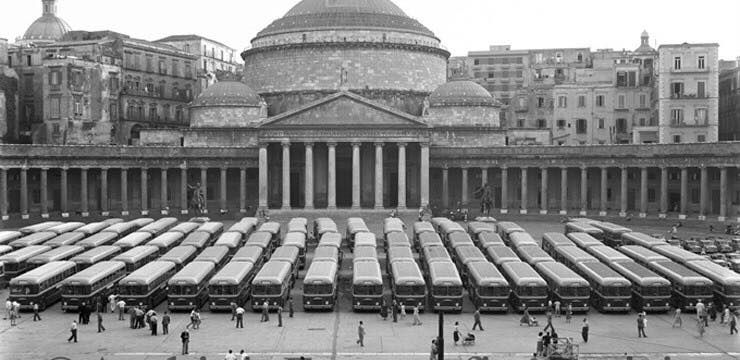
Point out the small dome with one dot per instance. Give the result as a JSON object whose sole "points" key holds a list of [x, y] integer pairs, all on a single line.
{"points": [[47, 28], [228, 93], [461, 93]]}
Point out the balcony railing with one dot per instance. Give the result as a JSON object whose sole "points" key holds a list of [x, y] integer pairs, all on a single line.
{"points": [[156, 94], [691, 70], [678, 96]]}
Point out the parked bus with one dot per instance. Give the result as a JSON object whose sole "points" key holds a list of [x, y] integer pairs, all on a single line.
{"points": [[188, 289], [519, 238], [396, 253], [726, 282], [487, 287], [121, 229], [584, 240], [583, 227], [354, 227], [688, 287], [180, 255], [571, 256], [551, 241], [608, 255], [448, 228], [218, 255], [446, 287], [272, 284], [262, 239], [612, 232], [273, 228], [166, 241], [230, 284], [533, 255], [367, 285], [97, 240], [111, 221], [160, 226], [422, 227], [92, 228], [244, 227], [65, 227], [565, 285], [529, 289], [298, 225], [298, 240], [676, 254], [331, 239], [327, 253], [486, 239], [433, 254], [650, 292], [644, 240], [467, 254], [36, 238], [457, 239], [59, 254], [393, 225], [4, 249], [204, 236], [502, 254], [397, 239], [39, 227], [6, 237], [426, 239], [69, 238], [87, 286], [365, 239], [323, 226], [641, 255], [253, 254], [141, 222], [137, 257], [407, 284], [437, 222], [133, 240], [16, 262], [287, 254], [185, 228], [320, 285], [146, 286], [95, 255], [477, 227], [610, 292], [232, 240], [41, 285], [506, 228]]}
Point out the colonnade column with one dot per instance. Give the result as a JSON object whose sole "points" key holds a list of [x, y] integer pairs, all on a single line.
{"points": [[163, 203], [263, 176], [401, 176], [24, 193], [378, 175], [684, 193], [643, 191], [722, 194], [703, 193], [204, 188], [243, 190], [104, 211], [464, 184], [63, 203], [425, 175], [563, 191], [543, 191], [332, 178], [223, 190], [584, 191], [356, 176], [623, 192], [124, 192], [523, 204], [309, 177], [83, 193], [183, 190], [286, 175], [44, 193], [504, 190], [445, 188], [144, 191], [604, 192], [4, 194], [663, 192]]}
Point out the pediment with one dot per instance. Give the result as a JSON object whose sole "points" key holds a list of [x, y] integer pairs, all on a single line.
{"points": [[344, 109]]}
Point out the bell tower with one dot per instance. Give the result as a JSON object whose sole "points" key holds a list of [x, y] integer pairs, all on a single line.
{"points": [[50, 7]]}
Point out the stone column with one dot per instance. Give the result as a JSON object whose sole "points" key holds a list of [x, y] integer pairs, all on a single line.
{"points": [[623, 192], [224, 208], [378, 175], [703, 196], [543, 191], [424, 196], [722, 194], [83, 193], [309, 177], [144, 191], [44, 193], [124, 192], [163, 203], [263, 176], [445, 187], [243, 190], [504, 190], [402, 176], [286, 175], [24, 193], [63, 201], [663, 192], [584, 191], [643, 191], [4, 194], [356, 175], [204, 188], [332, 178], [183, 190], [104, 211], [563, 191], [524, 202], [684, 193], [465, 197], [604, 186]]}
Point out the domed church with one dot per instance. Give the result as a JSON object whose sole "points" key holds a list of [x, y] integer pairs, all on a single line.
{"points": [[343, 99], [48, 28]]}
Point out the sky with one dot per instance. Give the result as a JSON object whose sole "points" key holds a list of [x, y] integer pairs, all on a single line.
{"points": [[462, 25]]}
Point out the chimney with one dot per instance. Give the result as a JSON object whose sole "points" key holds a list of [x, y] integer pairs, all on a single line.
{"points": [[3, 52]]}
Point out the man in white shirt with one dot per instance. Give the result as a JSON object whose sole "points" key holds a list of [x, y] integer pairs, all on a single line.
{"points": [[112, 302], [8, 309], [121, 308], [239, 317], [230, 356]]}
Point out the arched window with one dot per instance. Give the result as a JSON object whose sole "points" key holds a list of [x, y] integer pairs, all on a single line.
{"points": [[136, 132]]}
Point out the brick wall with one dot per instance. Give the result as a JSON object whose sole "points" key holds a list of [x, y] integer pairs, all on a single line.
{"points": [[463, 116], [222, 116]]}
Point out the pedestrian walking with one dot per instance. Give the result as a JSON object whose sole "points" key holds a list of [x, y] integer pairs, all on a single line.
{"points": [[549, 322], [197, 321], [8, 309], [140, 318], [584, 330], [233, 310], [712, 312], [121, 308], [240, 317], [433, 351], [36, 315], [230, 355], [394, 310], [476, 320], [403, 311], [733, 323], [73, 331], [641, 326], [13, 317], [101, 328], [677, 321], [290, 307], [361, 334], [384, 311], [417, 319], [546, 344], [153, 324], [112, 302], [550, 306], [700, 327], [726, 315], [557, 308], [192, 320], [185, 338], [280, 315], [81, 314], [568, 313], [165, 324], [265, 312], [456, 333]]}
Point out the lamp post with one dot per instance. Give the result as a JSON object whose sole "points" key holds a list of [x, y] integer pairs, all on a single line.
{"points": [[440, 338]]}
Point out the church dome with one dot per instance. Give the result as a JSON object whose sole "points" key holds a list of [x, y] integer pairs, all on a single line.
{"points": [[461, 93], [49, 27], [309, 15], [228, 93]]}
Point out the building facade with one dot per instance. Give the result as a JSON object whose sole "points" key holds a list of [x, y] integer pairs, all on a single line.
{"points": [[8, 97], [729, 103]]}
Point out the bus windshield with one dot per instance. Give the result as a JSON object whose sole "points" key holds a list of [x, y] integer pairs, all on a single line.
{"points": [[447, 290], [575, 291], [732, 290], [697, 290], [493, 291], [368, 289], [655, 290], [77, 290], [616, 291], [134, 290], [183, 290], [532, 291], [223, 290], [269, 290], [318, 289], [410, 290], [24, 289]]}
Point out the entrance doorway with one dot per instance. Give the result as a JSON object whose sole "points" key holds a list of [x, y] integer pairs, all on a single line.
{"points": [[393, 190], [344, 186], [296, 198], [674, 202]]}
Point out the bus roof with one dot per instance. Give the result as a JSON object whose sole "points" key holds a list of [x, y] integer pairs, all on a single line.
{"points": [[365, 252], [321, 272], [160, 225], [137, 252], [639, 253], [477, 227], [66, 239], [299, 221], [65, 227], [508, 227], [43, 273], [717, 273], [230, 239], [444, 273], [324, 226], [111, 221], [450, 227], [294, 227], [436, 253], [272, 273], [4, 249], [430, 239], [680, 274], [8, 236], [584, 240], [260, 238], [487, 239], [250, 220], [193, 273], [133, 239], [393, 224], [120, 228], [24, 254], [610, 227], [92, 255], [557, 239], [296, 239], [645, 240], [185, 227], [271, 227], [398, 239], [248, 253], [407, 273], [166, 239], [396, 253], [147, 273], [469, 253], [142, 221], [365, 239], [197, 238], [331, 239], [324, 253], [576, 254], [97, 239], [560, 274], [94, 273], [639, 274], [232, 273], [486, 274], [521, 274], [211, 227], [61, 253], [92, 228], [244, 227], [677, 254], [355, 225], [457, 238], [179, 254], [213, 254], [532, 254], [584, 227], [366, 272], [602, 274], [36, 238], [423, 226], [39, 227], [608, 254], [522, 239], [285, 253], [502, 254]]}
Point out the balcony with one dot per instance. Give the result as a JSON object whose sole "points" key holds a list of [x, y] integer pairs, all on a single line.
{"points": [[156, 95], [692, 70], [679, 96]]}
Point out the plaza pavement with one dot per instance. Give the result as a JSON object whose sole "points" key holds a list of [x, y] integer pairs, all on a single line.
{"points": [[332, 335]]}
